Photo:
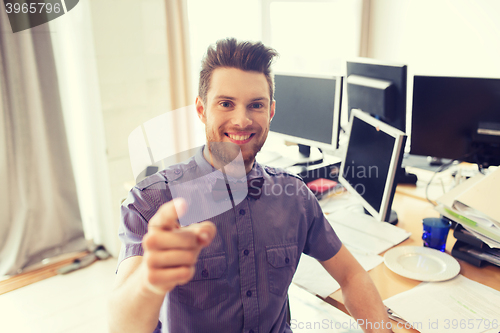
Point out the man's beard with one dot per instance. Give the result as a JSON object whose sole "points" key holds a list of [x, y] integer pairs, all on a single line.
{"points": [[225, 152]]}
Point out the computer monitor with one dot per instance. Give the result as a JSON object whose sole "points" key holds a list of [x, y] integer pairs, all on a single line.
{"points": [[368, 170], [456, 118], [379, 89], [308, 111]]}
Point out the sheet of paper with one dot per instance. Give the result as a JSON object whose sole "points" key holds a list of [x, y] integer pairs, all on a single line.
{"points": [[344, 201], [360, 240], [449, 197], [311, 314], [364, 232], [485, 232], [472, 214], [311, 275], [490, 242], [483, 196], [459, 305]]}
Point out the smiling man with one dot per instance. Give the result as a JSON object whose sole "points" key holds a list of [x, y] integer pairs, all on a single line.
{"points": [[231, 274], [237, 109]]}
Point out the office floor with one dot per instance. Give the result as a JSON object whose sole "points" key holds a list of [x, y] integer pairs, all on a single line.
{"points": [[72, 303], [77, 303]]}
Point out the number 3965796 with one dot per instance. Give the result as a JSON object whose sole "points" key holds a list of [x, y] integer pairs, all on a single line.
{"points": [[32, 8]]}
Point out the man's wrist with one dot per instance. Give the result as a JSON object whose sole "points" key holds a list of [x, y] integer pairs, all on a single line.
{"points": [[149, 289], [146, 288]]}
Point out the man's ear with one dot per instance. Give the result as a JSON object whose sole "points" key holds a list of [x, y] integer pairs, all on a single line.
{"points": [[273, 108], [200, 110]]}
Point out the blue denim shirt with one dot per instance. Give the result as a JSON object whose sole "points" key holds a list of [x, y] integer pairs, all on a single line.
{"points": [[242, 277]]}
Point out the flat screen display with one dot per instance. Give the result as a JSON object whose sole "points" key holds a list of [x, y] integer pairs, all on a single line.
{"points": [[389, 104], [371, 158], [447, 113], [308, 109]]}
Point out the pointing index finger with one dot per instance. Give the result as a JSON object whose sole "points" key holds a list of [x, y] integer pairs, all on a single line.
{"points": [[167, 215]]}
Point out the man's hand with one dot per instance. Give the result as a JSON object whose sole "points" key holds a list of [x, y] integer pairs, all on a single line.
{"points": [[171, 252]]}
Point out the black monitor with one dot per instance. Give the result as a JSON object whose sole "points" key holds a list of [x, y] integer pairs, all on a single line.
{"points": [[308, 110], [379, 89], [456, 118], [368, 169]]}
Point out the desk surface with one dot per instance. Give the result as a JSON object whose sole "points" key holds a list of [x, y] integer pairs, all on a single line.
{"points": [[411, 210]]}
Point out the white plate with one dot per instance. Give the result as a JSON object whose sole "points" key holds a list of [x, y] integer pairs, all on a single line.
{"points": [[421, 263]]}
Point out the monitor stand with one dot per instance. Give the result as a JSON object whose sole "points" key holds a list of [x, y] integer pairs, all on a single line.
{"points": [[393, 217], [404, 177], [303, 155], [436, 161]]}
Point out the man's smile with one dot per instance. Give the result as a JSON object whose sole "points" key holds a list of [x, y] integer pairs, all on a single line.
{"points": [[240, 137]]}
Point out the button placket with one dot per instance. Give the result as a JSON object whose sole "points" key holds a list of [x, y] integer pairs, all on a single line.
{"points": [[248, 277]]}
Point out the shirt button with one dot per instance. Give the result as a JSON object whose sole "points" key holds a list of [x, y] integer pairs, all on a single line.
{"points": [[249, 293], [204, 273], [242, 212], [177, 171], [287, 260], [246, 252]]}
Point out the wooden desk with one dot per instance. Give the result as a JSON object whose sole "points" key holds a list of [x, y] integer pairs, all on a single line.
{"points": [[411, 210]]}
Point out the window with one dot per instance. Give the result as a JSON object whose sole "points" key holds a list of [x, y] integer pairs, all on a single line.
{"points": [[313, 37], [218, 19]]}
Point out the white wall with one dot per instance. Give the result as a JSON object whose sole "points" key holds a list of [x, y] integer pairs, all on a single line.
{"points": [[437, 37], [131, 54], [230, 18]]}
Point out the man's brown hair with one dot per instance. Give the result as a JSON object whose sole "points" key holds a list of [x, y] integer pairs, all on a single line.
{"points": [[247, 56]]}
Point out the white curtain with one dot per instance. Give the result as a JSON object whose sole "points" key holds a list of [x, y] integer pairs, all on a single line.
{"points": [[39, 211], [179, 130], [178, 53], [179, 74], [74, 53]]}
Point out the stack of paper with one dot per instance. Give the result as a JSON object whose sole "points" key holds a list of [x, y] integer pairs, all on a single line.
{"points": [[363, 236], [475, 204], [311, 275], [311, 314], [365, 233], [459, 305]]}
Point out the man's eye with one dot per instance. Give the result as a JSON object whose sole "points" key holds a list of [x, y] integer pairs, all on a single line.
{"points": [[257, 105], [225, 104]]}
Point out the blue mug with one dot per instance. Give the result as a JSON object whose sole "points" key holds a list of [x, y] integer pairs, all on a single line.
{"points": [[435, 232]]}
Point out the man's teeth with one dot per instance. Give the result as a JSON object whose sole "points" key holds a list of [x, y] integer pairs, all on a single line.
{"points": [[239, 137]]}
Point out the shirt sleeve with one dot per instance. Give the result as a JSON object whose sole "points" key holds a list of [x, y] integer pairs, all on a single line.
{"points": [[136, 211], [322, 243]]}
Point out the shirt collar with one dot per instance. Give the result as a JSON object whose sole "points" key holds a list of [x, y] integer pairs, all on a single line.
{"points": [[213, 174]]}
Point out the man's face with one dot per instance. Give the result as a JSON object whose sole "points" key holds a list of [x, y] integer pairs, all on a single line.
{"points": [[238, 110]]}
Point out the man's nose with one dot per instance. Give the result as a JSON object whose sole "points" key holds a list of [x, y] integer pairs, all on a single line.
{"points": [[241, 117]]}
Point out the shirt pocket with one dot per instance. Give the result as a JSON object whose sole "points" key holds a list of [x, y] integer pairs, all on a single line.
{"points": [[209, 285], [282, 262]]}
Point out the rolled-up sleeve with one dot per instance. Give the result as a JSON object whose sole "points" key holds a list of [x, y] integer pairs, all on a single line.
{"points": [[136, 211]]}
